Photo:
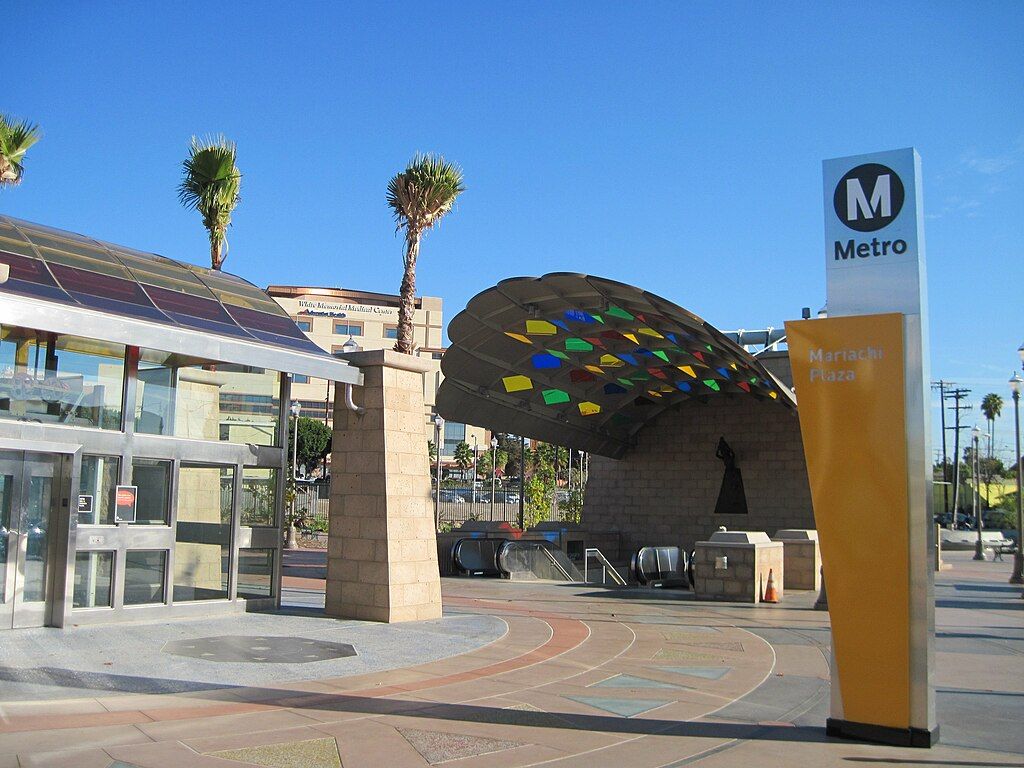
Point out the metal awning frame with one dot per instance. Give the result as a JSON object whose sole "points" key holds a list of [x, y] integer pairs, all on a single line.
{"points": [[78, 321]]}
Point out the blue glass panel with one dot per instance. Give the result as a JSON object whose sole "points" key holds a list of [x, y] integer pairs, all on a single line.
{"points": [[561, 325], [684, 386], [579, 316], [628, 359], [724, 372], [545, 360], [614, 389]]}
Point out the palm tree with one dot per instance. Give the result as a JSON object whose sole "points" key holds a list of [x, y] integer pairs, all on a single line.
{"points": [[419, 197], [210, 184], [992, 407], [16, 138]]}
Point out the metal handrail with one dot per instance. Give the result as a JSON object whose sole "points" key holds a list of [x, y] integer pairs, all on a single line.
{"points": [[558, 565], [605, 566]]}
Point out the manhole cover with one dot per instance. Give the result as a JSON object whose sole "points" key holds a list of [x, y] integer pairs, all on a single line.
{"points": [[260, 649]]}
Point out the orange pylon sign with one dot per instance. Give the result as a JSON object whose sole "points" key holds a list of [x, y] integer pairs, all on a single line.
{"points": [[770, 595]]}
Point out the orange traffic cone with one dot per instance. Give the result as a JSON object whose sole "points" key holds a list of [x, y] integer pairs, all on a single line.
{"points": [[770, 595]]}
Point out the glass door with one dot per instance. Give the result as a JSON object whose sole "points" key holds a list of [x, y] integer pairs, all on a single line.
{"points": [[27, 496]]}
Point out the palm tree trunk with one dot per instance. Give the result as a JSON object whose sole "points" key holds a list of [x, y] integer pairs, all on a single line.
{"points": [[215, 258], [407, 295]]}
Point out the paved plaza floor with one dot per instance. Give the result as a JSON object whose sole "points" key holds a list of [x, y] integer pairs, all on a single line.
{"points": [[515, 674]]}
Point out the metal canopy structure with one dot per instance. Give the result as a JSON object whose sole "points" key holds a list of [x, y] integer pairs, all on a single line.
{"points": [[586, 362], [63, 282]]}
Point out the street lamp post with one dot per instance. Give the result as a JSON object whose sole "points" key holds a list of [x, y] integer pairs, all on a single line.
{"points": [[494, 459], [295, 410], [476, 448], [438, 427], [979, 526], [1017, 577]]}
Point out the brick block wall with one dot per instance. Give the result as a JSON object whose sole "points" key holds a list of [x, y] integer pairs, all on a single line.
{"points": [[663, 492]]}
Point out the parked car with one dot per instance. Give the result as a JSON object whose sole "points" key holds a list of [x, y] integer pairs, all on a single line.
{"points": [[448, 495]]}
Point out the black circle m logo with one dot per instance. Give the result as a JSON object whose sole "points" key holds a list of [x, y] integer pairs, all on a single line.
{"points": [[868, 197]]}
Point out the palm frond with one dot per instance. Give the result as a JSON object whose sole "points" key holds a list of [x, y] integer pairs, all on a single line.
{"points": [[16, 138], [424, 192]]}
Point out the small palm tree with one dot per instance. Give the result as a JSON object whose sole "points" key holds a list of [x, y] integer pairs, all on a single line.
{"points": [[211, 184], [992, 407], [419, 197], [16, 138]]}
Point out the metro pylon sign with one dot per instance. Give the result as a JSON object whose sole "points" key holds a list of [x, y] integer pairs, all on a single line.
{"points": [[861, 379]]}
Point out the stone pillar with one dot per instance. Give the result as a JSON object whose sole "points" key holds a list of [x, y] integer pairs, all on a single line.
{"points": [[382, 545]]}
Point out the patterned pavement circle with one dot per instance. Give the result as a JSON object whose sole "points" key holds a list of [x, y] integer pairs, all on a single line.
{"points": [[265, 650]]}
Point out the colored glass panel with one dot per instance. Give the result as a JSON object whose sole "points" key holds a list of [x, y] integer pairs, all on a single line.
{"points": [[595, 342], [555, 396], [593, 368], [540, 328], [578, 316], [657, 373], [712, 384], [545, 360], [559, 355], [724, 372], [599, 319], [611, 361], [561, 325], [688, 370], [662, 355], [580, 376], [743, 385], [699, 356], [614, 389], [650, 332], [626, 382], [516, 383], [619, 312], [518, 337], [684, 386], [632, 337], [628, 359], [589, 409], [578, 345]]}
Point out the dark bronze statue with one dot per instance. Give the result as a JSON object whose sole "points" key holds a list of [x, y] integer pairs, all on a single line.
{"points": [[731, 498]]}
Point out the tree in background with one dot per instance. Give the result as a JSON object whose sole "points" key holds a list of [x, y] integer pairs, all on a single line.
{"points": [[991, 407], [431, 452], [463, 456], [16, 138], [314, 442], [419, 198], [211, 184]]}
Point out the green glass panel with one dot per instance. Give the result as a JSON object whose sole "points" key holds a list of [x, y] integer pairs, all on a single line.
{"points": [[560, 355], [577, 345], [555, 396], [712, 384], [662, 355], [598, 318], [626, 382], [619, 312], [709, 348]]}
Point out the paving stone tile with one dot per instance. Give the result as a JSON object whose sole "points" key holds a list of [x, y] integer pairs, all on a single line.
{"points": [[312, 753]]}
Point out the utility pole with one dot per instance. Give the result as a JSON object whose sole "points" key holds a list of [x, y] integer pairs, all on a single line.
{"points": [[941, 386], [956, 395]]}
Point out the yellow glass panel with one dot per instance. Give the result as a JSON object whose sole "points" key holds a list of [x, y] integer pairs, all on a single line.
{"points": [[593, 368], [733, 366], [687, 370], [589, 409], [652, 393], [665, 388], [773, 395], [611, 361], [651, 332], [516, 383], [540, 328], [518, 337], [632, 337]]}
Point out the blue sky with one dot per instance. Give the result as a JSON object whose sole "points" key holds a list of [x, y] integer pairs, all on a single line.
{"points": [[676, 146]]}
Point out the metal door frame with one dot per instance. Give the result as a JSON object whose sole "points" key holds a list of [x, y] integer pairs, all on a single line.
{"points": [[59, 460]]}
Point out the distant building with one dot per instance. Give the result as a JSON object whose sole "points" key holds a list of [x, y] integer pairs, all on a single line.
{"points": [[332, 316]]}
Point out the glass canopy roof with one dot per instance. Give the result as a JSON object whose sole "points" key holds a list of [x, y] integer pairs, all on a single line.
{"points": [[70, 269], [586, 362]]}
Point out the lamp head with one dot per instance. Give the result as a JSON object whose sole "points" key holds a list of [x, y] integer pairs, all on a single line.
{"points": [[494, 442], [350, 346], [295, 409], [1015, 383], [976, 432], [438, 421]]}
